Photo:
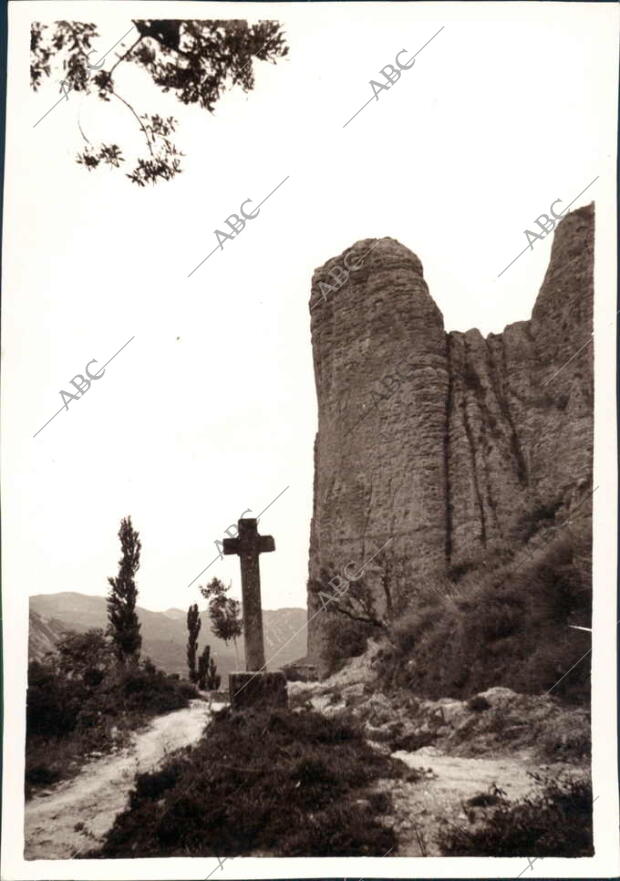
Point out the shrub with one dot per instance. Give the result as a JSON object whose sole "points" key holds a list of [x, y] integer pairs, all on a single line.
{"points": [[76, 704], [295, 796], [344, 639], [557, 822], [567, 743], [41, 775], [532, 521], [507, 625], [52, 701], [152, 693]]}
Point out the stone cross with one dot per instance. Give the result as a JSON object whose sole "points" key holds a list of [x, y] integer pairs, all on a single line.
{"points": [[248, 545]]}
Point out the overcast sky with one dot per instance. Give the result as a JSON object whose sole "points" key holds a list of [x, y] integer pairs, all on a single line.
{"points": [[210, 410]]}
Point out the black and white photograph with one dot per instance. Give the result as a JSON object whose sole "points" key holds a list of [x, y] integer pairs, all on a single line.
{"points": [[309, 473]]}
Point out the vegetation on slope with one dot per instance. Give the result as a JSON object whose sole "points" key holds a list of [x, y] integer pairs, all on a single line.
{"points": [[281, 783], [88, 695], [507, 627], [80, 702], [503, 619], [556, 822]]}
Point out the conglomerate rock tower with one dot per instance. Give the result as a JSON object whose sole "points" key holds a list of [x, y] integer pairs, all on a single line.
{"points": [[473, 433]]}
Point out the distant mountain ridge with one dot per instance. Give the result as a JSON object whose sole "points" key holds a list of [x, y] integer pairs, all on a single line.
{"points": [[164, 634]]}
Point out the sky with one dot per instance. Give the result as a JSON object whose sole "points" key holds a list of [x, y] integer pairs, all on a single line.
{"points": [[210, 410]]}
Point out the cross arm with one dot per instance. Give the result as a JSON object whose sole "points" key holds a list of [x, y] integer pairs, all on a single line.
{"points": [[231, 546], [266, 543]]}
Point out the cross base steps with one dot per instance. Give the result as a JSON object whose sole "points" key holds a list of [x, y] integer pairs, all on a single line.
{"points": [[257, 690]]}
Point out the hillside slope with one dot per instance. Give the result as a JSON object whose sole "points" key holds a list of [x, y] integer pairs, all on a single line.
{"points": [[164, 634]]}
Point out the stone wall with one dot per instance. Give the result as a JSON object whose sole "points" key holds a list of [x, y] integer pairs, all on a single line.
{"points": [[443, 442]]}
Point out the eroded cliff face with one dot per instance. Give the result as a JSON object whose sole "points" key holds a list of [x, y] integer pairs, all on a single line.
{"points": [[441, 443]]}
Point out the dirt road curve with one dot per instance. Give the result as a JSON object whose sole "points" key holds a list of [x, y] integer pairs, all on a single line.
{"points": [[92, 800]]}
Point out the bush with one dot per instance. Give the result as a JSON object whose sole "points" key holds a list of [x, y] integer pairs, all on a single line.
{"points": [[537, 518], [344, 639], [567, 743], [556, 823], [52, 701], [77, 703], [506, 626], [295, 796], [41, 775], [152, 692]]}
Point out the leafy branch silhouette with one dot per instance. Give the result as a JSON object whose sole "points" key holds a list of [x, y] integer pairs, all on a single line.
{"points": [[196, 60]]}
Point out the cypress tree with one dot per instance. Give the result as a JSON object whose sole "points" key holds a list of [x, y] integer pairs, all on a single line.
{"points": [[124, 627], [193, 629]]}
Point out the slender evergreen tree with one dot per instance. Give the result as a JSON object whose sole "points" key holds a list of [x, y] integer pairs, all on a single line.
{"points": [[203, 667], [124, 627], [208, 677], [193, 629], [213, 677]]}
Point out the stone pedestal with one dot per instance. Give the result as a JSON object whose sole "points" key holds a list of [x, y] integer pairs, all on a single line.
{"points": [[257, 690]]}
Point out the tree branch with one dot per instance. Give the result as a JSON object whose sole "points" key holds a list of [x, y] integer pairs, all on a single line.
{"points": [[364, 620], [123, 57], [140, 123]]}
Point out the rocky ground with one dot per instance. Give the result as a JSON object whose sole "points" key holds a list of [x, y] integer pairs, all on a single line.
{"points": [[499, 744], [467, 755]]}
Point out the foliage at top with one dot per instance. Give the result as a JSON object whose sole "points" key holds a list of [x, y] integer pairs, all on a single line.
{"points": [[196, 60], [224, 611]]}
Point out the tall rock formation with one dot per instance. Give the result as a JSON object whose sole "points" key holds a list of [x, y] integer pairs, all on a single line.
{"points": [[443, 442]]}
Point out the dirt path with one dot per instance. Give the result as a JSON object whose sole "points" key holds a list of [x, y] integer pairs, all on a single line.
{"points": [[75, 815], [421, 808]]}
